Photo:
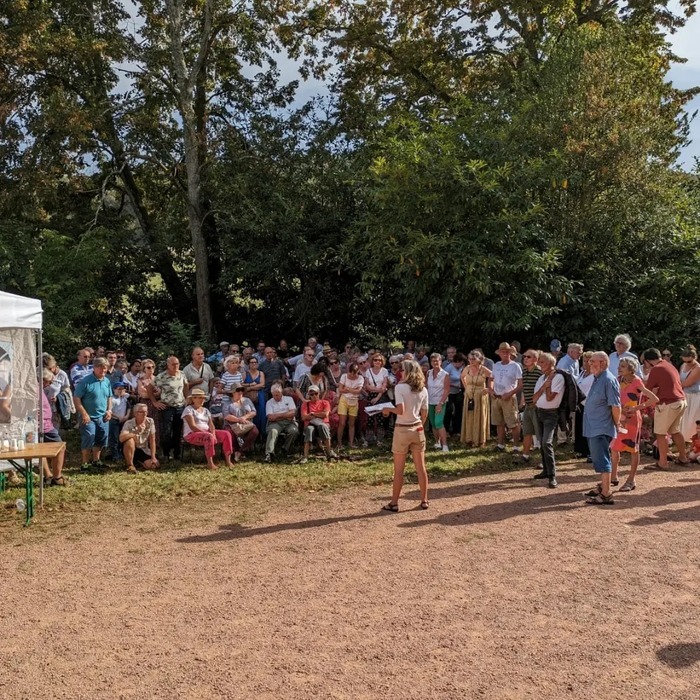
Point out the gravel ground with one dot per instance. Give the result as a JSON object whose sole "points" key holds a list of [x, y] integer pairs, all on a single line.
{"points": [[503, 589]]}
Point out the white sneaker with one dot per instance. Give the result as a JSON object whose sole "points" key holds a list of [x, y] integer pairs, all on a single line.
{"points": [[500, 448], [445, 448], [515, 450], [437, 446]]}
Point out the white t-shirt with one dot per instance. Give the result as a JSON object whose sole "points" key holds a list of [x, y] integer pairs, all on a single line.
{"points": [[413, 402], [286, 403], [357, 383], [301, 369], [557, 388], [506, 377], [374, 381], [436, 387], [201, 419]]}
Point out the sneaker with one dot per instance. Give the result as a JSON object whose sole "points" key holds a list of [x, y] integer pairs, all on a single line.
{"points": [[303, 460], [525, 458], [332, 455], [515, 450], [541, 475], [268, 458], [437, 446], [501, 448], [445, 448], [86, 466], [98, 464], [552, 484]]}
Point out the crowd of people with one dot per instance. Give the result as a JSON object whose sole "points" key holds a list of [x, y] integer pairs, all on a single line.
{"points": [[334, 400]]}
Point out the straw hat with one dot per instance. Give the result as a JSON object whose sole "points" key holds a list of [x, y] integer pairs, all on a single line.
{"points": [[196, 392], [507, 348]]}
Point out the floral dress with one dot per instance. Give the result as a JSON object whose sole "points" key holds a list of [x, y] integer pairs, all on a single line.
{"points": [[630, 397]]}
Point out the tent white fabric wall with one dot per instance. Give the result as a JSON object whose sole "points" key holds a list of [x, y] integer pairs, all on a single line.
{"points": [[20, 347]]}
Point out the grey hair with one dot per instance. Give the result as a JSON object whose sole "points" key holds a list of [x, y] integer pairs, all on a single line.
{"points": [[100, 362], [624, 338], [602, 356], [278, 385], [141, 407], [631, 363], [548, 357]]}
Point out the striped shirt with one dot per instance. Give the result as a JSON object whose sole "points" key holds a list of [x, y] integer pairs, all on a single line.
{"points": [[530, 378]]}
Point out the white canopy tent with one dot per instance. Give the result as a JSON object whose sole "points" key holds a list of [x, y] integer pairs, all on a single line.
{"points": [[20, 363]]}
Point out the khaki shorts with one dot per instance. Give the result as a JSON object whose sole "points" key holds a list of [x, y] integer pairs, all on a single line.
{"points": [[667, 417], [504, 411], [530, 420], [345, 409], [408, 438]]}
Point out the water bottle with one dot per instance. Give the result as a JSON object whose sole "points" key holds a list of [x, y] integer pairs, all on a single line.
{"points": [[30, 430], [20, 505]]}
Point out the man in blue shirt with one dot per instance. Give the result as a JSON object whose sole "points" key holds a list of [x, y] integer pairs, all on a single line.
{"points": [[601, 421], [93, 403], [219, 356]]}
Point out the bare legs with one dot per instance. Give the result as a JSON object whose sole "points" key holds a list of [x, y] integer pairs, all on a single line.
{"points": [[399, 467]]}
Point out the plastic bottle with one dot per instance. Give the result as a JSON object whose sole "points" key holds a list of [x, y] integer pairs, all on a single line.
{"points": [[30, 430], [20, 505]]}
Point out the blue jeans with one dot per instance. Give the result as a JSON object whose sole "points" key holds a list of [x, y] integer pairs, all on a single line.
{"points": [[547, 420], [94, 434], [115, 447], [599, 447]]}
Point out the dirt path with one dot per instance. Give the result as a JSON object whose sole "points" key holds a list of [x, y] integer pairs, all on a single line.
{"points": [[501, 590]]}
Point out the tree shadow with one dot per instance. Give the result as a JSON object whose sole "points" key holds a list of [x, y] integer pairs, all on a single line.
{"points": [[558, 501], [680, 655], [236, 531]]}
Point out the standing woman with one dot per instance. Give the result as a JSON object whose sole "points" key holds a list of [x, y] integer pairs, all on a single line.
{"points": [[631, 391], [411, 410], [254, 385], [145, 379], [132, 377], [438, 391], [584, 382], [476, 380], [690, 381], [376, 385]]}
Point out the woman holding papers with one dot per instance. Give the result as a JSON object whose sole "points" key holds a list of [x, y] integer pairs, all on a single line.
{"points": [[409, 435]]}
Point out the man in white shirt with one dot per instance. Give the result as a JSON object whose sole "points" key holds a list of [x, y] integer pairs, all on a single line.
{"points": [[549, 391], [304, 367], [280, 411], [507, 382]]}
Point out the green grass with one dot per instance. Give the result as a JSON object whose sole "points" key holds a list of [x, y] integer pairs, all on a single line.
{"points": [[181, 481]]}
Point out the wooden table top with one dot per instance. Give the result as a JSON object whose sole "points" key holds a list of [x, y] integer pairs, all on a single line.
{"points": [[36, 450]]}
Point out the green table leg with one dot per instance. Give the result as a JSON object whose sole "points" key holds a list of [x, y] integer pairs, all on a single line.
{"points": [[29, 481]]}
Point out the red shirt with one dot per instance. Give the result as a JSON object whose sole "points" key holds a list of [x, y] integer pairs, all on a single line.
{"points": [[665, 382], [314, 407]]}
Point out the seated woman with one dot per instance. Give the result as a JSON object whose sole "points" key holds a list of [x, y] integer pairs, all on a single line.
{"points": [[314, 414], [316, 377], [198, 429], [239, 420], [138, 440], [53, 470]]}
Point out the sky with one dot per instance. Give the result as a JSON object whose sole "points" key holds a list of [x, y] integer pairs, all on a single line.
{"points": [[686, 43]]}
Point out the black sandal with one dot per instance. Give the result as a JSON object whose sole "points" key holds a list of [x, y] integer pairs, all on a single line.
{"points": [[391, 507], [58, 482], [424, 505]]}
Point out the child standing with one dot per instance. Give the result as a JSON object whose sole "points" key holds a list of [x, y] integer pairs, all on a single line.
{"points": [[121, 412]]}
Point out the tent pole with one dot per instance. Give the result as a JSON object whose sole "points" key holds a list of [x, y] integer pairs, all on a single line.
{"points": [[39, 435]]}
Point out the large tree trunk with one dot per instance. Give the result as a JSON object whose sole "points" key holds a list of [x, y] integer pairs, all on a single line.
{"points": [[186, 81]]}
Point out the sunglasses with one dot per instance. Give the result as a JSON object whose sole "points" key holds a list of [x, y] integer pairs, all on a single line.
{"points": [[666, 354], [313, 393], [333, 362]]}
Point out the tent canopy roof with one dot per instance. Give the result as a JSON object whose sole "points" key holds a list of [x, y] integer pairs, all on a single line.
{"points": [[19, 312]]}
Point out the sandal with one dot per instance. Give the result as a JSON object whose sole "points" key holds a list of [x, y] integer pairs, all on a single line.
{"points": [[424, 505], [600, 500], [657, 467], [391, 507], [595, 492], [614, 482], [628, 486], [131, 469], [61, 481]]}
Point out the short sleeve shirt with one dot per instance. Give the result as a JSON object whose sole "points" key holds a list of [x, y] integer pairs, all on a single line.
{"points": [[201, 419], [597, 418], [665, 382], [285, 404], [413, 402], [506, 377], [94, 394], [205, 372], [242, 409], [172, 388], [143, 433]]}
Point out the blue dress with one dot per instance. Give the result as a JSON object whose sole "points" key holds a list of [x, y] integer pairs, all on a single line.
{"points": [[260, 419]]}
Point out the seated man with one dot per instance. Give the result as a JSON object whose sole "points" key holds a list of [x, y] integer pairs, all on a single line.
{"points": [[138, 439], [314, 413], [280, 411]]}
